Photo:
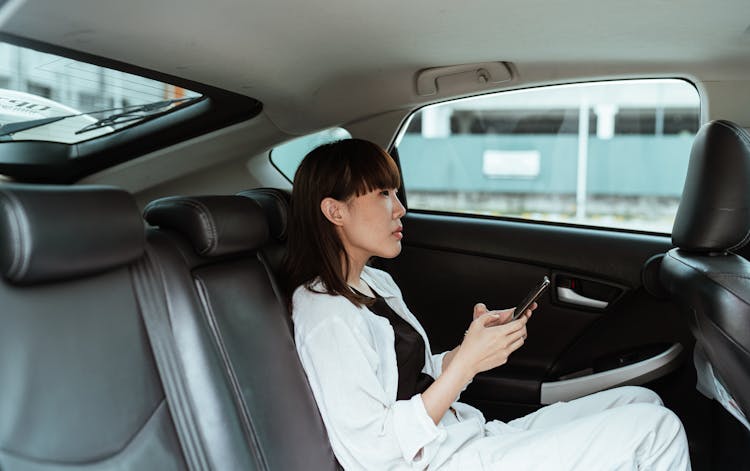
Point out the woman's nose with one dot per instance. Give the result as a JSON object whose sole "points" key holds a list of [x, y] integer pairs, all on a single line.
{"points": [[398, 208]]}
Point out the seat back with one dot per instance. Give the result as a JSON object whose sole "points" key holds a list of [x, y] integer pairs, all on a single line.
{"points": [[703, 275], [212, 245], [78, 381]]}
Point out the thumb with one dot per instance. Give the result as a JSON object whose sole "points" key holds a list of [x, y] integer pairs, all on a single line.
{"points": [[479, 309]]}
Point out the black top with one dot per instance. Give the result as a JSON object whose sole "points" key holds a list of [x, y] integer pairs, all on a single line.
{"points": [[410, 351]]}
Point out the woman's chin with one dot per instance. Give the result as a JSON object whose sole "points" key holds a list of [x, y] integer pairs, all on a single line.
{"points": [[392, 253]]}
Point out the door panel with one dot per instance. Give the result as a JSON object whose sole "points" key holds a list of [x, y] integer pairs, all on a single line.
{"points": [[449, 262]]}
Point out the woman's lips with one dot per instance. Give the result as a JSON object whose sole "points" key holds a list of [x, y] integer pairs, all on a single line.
{"points": [[398, 233]]}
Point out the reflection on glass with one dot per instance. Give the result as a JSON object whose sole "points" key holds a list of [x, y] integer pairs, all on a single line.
{"points": [[53, 98]]}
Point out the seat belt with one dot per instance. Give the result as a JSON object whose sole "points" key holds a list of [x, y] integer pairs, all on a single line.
{"points": [[153, 307]]}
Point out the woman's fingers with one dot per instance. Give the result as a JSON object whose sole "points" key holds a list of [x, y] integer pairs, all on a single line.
{"points": [[496, 330], [530, 310], [479, 310], [490, 319], [500, 356], [515, 325], [519, 334], [500, 317], [503, 354], [511, 336], [505, 315], [489, 342]]}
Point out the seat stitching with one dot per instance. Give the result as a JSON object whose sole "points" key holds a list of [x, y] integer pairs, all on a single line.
{"points": [[727, 336], [738, 131], [281, 204], [206, 220], [712, 276], [19, 225], [724, 333], [741, 243]]}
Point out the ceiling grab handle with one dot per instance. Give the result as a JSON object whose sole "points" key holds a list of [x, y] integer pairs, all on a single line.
{"points": [[462, 78]]}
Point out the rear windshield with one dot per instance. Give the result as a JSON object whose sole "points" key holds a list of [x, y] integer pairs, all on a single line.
{"points": [[45, 97]]}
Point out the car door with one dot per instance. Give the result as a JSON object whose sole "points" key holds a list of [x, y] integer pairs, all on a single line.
{"points": [[494, 188]]}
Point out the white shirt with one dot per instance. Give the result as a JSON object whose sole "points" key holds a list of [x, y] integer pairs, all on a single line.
{"points": [[349, 356]]}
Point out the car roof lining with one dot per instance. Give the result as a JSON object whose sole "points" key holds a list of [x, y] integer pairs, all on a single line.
{"points": [[291, 55]]}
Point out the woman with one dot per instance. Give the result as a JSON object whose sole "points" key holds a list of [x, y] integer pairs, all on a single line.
{"points": [[387, 402]]}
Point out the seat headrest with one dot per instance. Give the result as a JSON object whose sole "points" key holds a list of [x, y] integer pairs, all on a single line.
{"points": [[215, 225], [275, 203], [51, 232], [714, 212]]}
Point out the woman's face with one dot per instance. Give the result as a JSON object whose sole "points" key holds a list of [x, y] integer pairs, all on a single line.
{"points": [[371, 225]]}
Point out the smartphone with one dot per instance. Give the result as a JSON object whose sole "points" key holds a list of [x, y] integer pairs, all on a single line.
{"points": [[530, 298]]}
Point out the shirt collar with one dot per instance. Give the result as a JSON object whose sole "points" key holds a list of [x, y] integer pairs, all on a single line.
{"points": [[382, 288]]}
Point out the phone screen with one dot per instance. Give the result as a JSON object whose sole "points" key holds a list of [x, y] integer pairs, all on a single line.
{"points": [[530, 298]]}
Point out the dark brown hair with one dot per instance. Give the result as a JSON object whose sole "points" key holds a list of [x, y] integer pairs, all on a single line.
{"points": [[340, 170]]}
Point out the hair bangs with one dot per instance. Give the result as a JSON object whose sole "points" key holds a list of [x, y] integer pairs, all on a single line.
{"points": [[372, 171]]}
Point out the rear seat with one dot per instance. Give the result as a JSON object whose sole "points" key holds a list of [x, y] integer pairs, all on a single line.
{"points": [[78, 383], [80, 386], [217, 241]]}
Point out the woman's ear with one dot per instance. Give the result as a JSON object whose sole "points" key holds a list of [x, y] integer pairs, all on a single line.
{"points": [[332, 210]]}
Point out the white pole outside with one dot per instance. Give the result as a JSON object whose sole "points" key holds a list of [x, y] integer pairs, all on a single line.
{"points": [[583, 149]]}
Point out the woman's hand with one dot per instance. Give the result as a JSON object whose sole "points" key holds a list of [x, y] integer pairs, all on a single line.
{"points": [[488, 345], [491, 338], [504, 314], [495, 318]]}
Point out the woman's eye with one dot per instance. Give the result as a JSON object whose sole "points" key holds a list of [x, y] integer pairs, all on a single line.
{"points": [[385, 192]]}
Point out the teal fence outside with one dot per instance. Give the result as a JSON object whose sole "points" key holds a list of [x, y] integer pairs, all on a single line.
{"points": [[634, 165]]}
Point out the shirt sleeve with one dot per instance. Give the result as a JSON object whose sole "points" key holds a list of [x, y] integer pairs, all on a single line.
{"points": [[367, 429], [437, 363]]}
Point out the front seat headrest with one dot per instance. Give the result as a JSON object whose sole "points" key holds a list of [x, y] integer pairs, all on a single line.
{"points": [[714, 213], [275, 203], [54, 232], [215, 225]]}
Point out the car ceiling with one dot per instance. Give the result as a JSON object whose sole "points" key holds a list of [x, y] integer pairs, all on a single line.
{"points": [[316, 63]]}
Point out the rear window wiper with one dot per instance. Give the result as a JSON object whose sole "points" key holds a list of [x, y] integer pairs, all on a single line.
{"points": [[131, 113], [136, 112], [12, 128]]}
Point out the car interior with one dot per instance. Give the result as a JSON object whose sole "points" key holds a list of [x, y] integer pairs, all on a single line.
{"points": [[147, 153]]}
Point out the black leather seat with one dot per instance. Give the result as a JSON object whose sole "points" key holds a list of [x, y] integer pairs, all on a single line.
{"points": [[275, 204], [78, 383], [213, 244], [80, 386], [703, 274]]}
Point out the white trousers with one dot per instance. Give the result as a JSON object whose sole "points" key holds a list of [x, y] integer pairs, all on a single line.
{"points": [[625, 428]]}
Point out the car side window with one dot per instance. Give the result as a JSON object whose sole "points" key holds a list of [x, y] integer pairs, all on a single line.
{"points": [[608, 154], [287, 157]]}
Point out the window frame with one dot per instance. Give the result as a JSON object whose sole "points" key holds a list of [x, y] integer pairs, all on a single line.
{"points": [[52, 162], [272, 149], [406, 121]]}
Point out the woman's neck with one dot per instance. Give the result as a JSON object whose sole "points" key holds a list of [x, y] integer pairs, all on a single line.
{"points": [[355, 272]]}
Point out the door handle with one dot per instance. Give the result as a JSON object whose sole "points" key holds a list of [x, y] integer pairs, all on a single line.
{"points": [[567, 295]]}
